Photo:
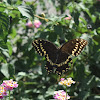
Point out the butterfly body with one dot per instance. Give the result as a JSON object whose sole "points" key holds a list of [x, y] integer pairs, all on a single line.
{"points": [[59, 58]]}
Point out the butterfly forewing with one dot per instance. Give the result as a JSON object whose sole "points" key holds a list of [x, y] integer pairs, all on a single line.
{"points": [[74, 47], [47, 49], [36, 45]]}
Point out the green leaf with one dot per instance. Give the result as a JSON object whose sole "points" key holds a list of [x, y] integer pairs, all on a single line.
{"points": [[4, 70], [22, 73], [9, 47], [96, 97], [98, 30], [83, 95], [4, 23], [76, 17], [2, 6], [3, 44], [2, 59], [26, 11], [58, 30], [93, 18], [97, 38], [5, 51], [11, 70], [52, 36], [83, 20], [4, 26]]}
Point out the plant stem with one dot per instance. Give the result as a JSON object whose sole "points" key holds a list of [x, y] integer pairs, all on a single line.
{"points": [[9, 94], [41, 18], [66, 89]]}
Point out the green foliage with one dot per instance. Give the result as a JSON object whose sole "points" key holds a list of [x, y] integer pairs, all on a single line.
{"points": [[18, 59], [26, 11]]}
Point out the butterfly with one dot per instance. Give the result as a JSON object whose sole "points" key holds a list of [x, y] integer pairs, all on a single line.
{"points": [[58, 59]]}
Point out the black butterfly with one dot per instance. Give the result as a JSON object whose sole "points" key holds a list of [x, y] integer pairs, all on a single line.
{"points": [[59, 58]]}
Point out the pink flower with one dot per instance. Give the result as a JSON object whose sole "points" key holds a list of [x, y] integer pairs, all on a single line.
{"points": [[68, 97], [66, 82], [61, 95], [29, 24], [62, 79], [68, 18], [37, 23], [9, 84], [70, 81], [2, 91]]}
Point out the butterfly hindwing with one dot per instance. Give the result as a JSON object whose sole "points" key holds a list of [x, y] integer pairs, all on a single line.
{"points": [[61, 64], [63, 61], [49, 67]]}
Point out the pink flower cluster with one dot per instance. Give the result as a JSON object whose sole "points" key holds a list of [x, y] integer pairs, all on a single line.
{"points": [[2, 91], [29, 24], [7, 85], [61, 95], [66, 82], [37, 24]]}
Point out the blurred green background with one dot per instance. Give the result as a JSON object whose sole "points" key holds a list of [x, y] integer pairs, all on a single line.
{"points": [[19, 60]]}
